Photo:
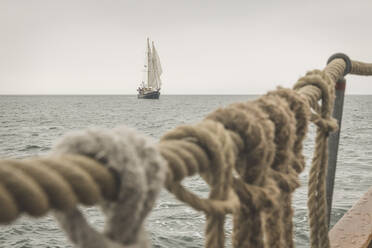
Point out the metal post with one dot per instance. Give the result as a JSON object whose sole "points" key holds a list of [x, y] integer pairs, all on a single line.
{"points": [[333, 143]]}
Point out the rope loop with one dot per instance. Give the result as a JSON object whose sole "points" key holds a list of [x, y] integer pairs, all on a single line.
{"points": [[327, 125], [256, 191], [216, 156], [141, 173], [299, 107], [348, 63], [219, 148], [322, 81], [259, 198]]}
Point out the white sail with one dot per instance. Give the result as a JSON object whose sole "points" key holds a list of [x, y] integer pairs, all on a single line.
{"points": [[156, 66], [156, 60], [145, 78], [152, 69], [151, 79]]}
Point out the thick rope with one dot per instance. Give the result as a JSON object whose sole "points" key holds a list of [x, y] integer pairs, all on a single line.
{"points": [[282, 173], [253, 161], [250, 154], [360, 68], [297, 163], [316, 190], [221, 152], [141, 173], [61, 182]]}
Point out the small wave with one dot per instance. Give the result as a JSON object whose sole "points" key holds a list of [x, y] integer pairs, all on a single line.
{"points": [[9, 134], [45, 122], [170, 205], [30, 147]]}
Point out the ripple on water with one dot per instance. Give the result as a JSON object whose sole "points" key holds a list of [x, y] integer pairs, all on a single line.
{"points": [[30, 147]]}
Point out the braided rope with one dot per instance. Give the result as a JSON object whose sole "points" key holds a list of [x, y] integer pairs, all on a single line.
{"points": [[140, 171], [285, 177], [301, 113], [360, 68], [316, 190], [250, 154], [37, 185], [218, 146], [252, 186]]}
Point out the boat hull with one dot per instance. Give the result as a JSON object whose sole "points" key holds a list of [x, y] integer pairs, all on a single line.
{"points": [[149, 95]]}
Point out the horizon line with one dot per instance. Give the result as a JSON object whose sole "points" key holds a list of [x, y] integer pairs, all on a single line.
{"points": [[197, 94]]}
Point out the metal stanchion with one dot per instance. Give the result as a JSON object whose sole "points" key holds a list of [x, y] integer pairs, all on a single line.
{"points": [[334, 137], [333, 142]]}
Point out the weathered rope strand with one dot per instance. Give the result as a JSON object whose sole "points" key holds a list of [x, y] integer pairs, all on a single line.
{"points": [[40, 184], [361, 68], [217, 144], [140, 173], [316, 190]]}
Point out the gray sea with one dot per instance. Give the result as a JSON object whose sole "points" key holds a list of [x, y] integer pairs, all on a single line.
{"points": [[29, 126]]}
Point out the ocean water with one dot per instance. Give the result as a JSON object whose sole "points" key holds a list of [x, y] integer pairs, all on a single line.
{"points": [[29, 125]]}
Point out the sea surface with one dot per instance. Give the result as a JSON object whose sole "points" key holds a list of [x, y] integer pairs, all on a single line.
{"points": [[29, 126]]}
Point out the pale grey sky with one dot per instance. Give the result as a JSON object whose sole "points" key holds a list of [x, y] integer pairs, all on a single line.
{"points": [[206, 47]]}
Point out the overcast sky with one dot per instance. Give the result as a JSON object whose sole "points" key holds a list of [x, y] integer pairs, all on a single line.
{"points": [[205, 47]]}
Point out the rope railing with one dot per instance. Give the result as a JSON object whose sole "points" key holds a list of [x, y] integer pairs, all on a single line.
{"points": [[250, 155], [360, 68]]}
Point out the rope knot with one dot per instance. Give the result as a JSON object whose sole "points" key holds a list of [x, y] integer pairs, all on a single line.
{"points": [[327, 125], [141, 173], [258, 198]]}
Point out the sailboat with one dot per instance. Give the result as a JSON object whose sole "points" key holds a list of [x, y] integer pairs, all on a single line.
{"points": [[151, 83]]}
